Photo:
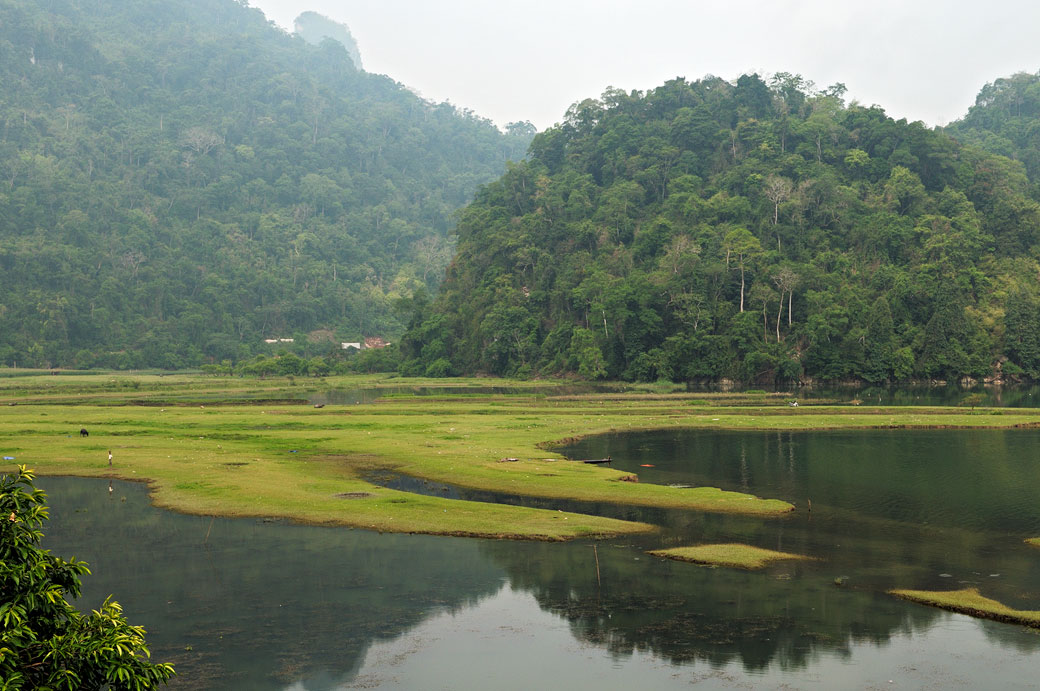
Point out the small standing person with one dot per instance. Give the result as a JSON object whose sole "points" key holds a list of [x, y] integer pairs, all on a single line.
{"points": [[110, 458]]}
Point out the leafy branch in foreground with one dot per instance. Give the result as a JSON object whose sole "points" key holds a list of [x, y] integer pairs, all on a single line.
{"points": [[45, 642]]}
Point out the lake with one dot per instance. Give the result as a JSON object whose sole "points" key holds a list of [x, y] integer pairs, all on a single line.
{"points": [[263, 604]]}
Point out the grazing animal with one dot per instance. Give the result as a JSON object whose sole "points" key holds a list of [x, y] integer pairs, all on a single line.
{"points": [[83, 432]]}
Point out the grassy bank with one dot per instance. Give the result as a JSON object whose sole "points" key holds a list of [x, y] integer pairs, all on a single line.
{"points": [[969, 601], [732, 555], [246, 447]]}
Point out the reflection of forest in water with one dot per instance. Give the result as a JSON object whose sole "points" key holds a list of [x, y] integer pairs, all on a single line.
{"points": [[254, 604], [684, 613], [260, 604], [931, 509], [1017, 396], [939, 509]]}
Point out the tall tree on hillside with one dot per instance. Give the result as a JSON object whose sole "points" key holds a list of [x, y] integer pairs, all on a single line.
{"points": [[743, 248], [777, 190], [786, 281]]}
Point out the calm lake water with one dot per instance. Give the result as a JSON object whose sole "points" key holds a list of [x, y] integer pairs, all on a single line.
{"points": [[247, 604]]}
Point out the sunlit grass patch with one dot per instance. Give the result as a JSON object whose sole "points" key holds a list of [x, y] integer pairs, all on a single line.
{"points": [[731, 554], [970, 602]]}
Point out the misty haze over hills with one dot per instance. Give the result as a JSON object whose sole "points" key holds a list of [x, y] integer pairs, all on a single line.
{"points": [[185, 181]]}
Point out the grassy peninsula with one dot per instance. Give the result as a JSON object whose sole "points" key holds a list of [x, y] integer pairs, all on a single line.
{"points": [[969, 601], [247, 447]]}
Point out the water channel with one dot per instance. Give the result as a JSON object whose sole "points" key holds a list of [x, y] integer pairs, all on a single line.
{"points": [[255, 604]]}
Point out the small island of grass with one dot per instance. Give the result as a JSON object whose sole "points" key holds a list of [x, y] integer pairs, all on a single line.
{"points": [[970, 602], [732, 554], [1034, 541]]}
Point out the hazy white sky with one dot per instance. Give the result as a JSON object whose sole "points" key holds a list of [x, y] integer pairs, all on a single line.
{"points": [[919, 59]]}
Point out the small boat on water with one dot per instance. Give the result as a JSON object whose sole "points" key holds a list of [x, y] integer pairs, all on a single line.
{"points": [[596, 460]]}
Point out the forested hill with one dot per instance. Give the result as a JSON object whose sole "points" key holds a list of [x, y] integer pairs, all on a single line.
{"points": [[760, 231], [1005, 120], [179, 179]]}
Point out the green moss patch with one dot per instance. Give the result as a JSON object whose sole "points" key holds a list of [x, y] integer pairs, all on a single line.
{"points": [[970, 602], [732, 554]]}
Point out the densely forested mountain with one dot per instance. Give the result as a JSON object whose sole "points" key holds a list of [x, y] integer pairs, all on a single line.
{"points": [[180, 179], [315, 28], [761, 231]]}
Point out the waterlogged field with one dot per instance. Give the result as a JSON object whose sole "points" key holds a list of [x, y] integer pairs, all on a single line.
{"points": [[261, 448], [247, 447], [231, 583]]}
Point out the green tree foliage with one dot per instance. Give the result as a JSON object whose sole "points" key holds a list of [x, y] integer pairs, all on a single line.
{"points": [[180, 179], [586, 355], [1004, 120], [751, 230], [879, 344], [45, 643], [1022, 332], [972, 400]]}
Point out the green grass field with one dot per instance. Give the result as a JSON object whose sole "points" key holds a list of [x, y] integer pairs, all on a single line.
{"points": [[248, 447]]}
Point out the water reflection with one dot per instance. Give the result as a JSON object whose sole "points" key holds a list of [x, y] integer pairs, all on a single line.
{"points": [[254, 605], [246, 604], [932, 509], [1012, 396], [684, 613]]}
